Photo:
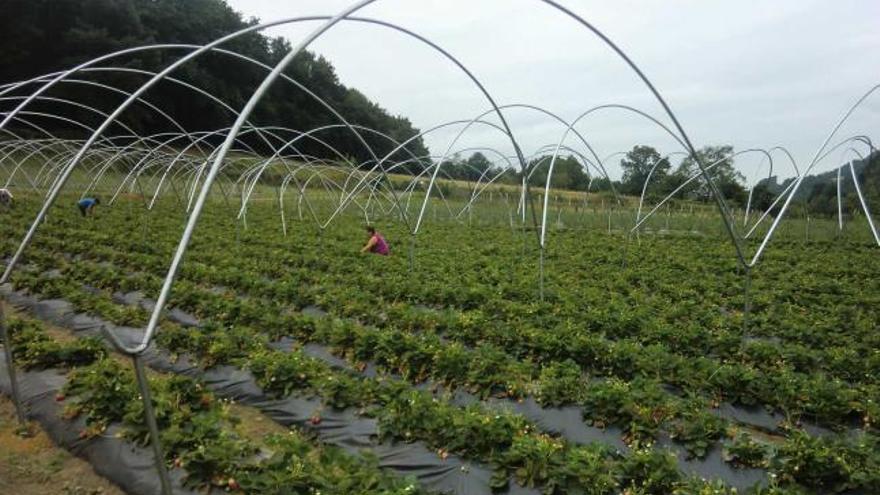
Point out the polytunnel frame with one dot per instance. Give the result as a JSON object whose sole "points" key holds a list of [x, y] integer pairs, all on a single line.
{"points": [[641, 220], [48, 79], [434, 167], [257, 169], [31, 147], [212, 173], [54, 191], [257, 96], [571, 128], [797, 173], [357, 187], [541, 155], [135, 352], [839, 183], [816, 158], [784, 193], [858, 189], [55, 117]]}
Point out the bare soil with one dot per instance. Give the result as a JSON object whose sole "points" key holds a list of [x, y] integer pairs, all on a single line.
{"points": [[33, 465]]}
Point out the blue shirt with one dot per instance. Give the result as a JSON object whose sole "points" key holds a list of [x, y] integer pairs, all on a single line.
{"points": [[86, 202]]}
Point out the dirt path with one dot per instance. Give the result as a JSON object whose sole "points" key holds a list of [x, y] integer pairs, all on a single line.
{"points": [[35, 466]]}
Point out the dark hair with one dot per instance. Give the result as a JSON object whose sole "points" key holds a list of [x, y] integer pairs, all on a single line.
{"points": [[97, 200], [371, 229]]}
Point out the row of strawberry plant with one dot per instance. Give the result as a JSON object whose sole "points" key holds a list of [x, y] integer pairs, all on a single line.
{"points": [[503, 439], [831, 403], [844, 361], [224, 346], [199, 432]]}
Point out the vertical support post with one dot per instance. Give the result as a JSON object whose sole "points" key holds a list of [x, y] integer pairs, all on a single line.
{"points": [[412, 252], [609, 220], [541, 274], [668, 214], [839, 203], [747, 309], [144, 220], [10, 366], [150, 418]]}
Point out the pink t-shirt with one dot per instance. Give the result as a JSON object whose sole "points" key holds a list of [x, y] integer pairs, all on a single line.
{"points": [[381, 247]]}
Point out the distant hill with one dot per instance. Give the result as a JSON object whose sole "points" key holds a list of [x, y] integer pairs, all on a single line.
{"points": [[820, 190]]}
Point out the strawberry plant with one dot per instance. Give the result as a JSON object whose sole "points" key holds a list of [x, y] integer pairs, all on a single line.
{"points": [[743, 451]]}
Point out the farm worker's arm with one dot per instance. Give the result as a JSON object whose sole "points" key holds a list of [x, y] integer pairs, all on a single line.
{"points": [[370, 244]]}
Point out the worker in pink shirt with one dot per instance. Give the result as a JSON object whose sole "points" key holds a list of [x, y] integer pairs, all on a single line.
{"points": [[376, 244]]}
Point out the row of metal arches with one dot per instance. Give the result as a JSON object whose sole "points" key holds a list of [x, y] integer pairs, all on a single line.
{"points": [[199, 174]]}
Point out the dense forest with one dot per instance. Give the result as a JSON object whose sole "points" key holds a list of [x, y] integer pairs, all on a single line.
{"points": [[43, 36]]}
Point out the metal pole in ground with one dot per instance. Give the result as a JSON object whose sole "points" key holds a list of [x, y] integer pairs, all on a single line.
{"points": [[541, 274], [747, 307], [10, 366], [412, 253], [150, 418]]}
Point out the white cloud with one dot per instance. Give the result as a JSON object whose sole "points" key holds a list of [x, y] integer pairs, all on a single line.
{"points": [[748, 73]]}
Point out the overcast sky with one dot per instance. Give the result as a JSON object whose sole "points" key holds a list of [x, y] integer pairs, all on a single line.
{"points": [[753, 74]]}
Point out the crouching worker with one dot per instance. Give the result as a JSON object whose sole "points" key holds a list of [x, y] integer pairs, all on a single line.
{"points": [[376, 244], [5, 199], [87, 206]]}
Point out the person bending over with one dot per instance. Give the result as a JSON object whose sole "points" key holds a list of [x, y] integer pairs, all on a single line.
{"points": [[376, 244], [87, 206]]}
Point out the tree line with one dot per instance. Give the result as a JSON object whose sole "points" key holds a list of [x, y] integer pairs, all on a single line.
{"points": [[570, 173], [818, 193], [44, 36]]}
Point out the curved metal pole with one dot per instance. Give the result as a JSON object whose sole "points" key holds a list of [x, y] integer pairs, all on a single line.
{"points": [[212, 173], [799, 181], [648, 179], [791, 184], [403, 144], [861, 196], [688, 181], [725, 213], [571, 128], [752, 188]]}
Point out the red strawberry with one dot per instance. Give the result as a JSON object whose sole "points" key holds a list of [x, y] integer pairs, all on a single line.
{"points": [[232, 484], [60, 397], [315, 420]]}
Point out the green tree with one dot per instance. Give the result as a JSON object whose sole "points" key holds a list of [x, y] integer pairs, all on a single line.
{"points": [[720, 163], [42, 36], [568, 173], [479, 165], [637, 165]]}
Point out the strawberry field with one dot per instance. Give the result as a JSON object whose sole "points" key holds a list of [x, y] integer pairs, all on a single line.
{"points": [[442, 370]]}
